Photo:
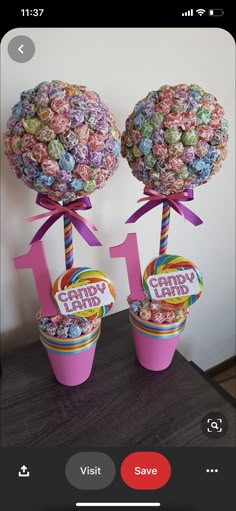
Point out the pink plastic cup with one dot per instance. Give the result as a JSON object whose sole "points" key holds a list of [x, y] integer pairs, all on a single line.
{"points": [[155, 344], [72, 369], [72, 365]]}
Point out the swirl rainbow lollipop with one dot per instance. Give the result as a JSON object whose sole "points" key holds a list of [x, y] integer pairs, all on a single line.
{"points": [[173, 281], [78, 291]]}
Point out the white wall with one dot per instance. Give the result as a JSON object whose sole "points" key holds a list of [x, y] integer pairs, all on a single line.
{"points": [[123, 65]]}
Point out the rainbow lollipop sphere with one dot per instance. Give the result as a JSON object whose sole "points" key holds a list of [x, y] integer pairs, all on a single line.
{"points": [[175, 138], [62, 140]]}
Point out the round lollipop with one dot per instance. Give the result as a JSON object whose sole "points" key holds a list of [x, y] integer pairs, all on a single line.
{"points": [[84, 293], [175, 138], [62, 140], [173, 281]]}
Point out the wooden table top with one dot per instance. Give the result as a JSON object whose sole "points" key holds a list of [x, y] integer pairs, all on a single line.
{"points": [[121, 404]]}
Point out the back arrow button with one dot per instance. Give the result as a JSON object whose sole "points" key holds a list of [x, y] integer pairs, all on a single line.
{"points": [[21, 49]]}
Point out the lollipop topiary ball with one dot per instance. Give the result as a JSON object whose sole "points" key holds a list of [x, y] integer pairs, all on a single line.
{"points": [[175, 138], [62, 140]]}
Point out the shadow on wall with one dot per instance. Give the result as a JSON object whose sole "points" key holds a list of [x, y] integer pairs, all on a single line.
{"points": [[16, 285], [185, 351], [24, 334]]}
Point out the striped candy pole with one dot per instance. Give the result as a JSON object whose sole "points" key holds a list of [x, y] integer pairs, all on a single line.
{"points": [[165, 222], [68, 241]]}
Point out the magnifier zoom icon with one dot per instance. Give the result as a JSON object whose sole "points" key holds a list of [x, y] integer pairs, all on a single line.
{"points": [[214, 425]]}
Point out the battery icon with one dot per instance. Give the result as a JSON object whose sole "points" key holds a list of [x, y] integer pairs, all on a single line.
{"points": [[216, 12]]}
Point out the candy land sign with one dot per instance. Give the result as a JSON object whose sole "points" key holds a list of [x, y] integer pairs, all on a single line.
{"points": [[173, 285], [82, 298]]}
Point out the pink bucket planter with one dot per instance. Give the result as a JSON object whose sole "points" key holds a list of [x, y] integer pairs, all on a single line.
{"points": [[71, 359], [155, 344]]}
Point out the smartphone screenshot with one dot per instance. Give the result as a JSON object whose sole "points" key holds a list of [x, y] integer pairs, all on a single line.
{"points": [[118, 367]]}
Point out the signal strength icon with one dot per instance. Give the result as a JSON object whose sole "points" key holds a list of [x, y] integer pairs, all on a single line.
{"points": [[200, 11], [188, 13]]}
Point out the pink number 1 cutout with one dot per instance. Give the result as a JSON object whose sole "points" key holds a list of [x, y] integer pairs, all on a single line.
{"points": [[129, 250], [36, 260]]}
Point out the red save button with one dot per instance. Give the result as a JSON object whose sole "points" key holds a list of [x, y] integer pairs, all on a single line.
{"points": [[145, 470]]}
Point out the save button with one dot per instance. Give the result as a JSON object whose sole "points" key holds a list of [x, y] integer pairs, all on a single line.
{"points": [[145, 470]]}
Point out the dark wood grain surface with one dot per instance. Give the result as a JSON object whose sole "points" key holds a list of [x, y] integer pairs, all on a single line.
{"points": [[121, 404]]}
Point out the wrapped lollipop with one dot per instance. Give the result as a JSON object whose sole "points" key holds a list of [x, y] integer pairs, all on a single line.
{"points": [[65, 327], [175, 140], [151, 310], [63, 142]]}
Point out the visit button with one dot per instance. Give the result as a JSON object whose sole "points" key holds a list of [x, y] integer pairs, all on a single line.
{"points": [[145, 470]]}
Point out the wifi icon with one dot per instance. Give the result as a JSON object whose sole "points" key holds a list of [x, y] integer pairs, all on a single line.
{"points": [[200, 11]]}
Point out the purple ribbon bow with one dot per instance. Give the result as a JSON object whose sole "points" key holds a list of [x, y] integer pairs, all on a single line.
{"points": [[56, 210], [174, 200]]}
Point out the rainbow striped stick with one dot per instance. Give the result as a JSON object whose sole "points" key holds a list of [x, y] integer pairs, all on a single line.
{"points": [[68, 240], [165, 222]]}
